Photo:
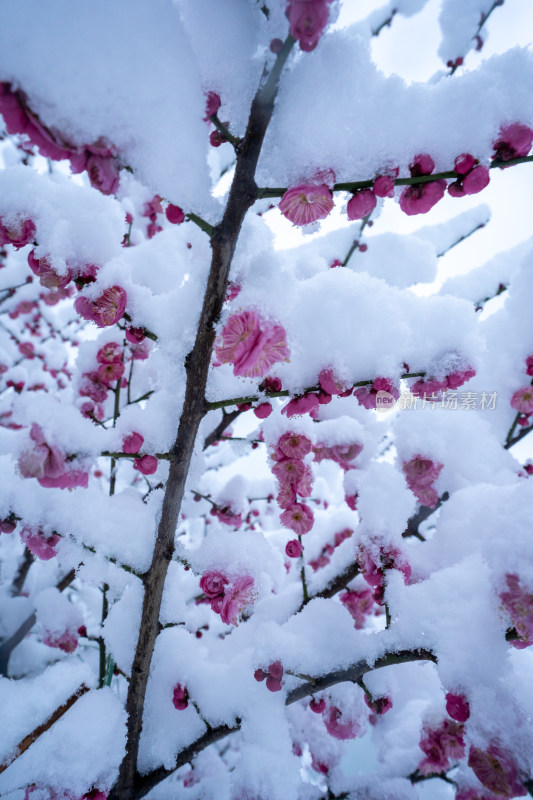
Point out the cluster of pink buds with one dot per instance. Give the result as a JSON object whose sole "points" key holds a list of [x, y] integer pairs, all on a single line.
{"points": [[180, 697], [518, 603], [430, 388], [273, 676], [230, 600], [373, 568], [328, 549], [363, 201], [336, 726], [212, 106], [473, 177], [251, 344], [497, 770], [98, 159], [307, 20], [47, 463], [370, 397], [441, 744], [421, 197], [145, 464], [420, 474], [42, 546], [295, 479]]}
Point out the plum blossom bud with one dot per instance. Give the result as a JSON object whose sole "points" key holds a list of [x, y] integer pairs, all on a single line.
{"points": [[476, 180], [362, 203], [147, 465], [212, 106], [174, 214], [135, 335], [293, 548], [132, 443], [180, 697], [383, 186], [317, 706], [464, 163], [457, 707], [263, 410]]}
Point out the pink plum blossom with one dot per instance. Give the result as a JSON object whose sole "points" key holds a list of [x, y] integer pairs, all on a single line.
{"points": [[110, 372], [379, 705], [496, 769], [339, 727], [384, 186], [46, 463], [518, 603], [107, 309], [306, 203], [212, 584], [44, 547], [294, 445], [132, 443], [420, 474], [464, 163], [227, 515], [293, 548], [263, 410], [307, 20], [440, 745], [457, 707], [298, 518], [330, 384], [212, 104], [92, 386], [146, 465], [306, 404], [109, 353], [174, 214], [66, 641], [359, 603], [514, 142], [361, 204], [367, 395], [421, 197], [342, 454], [476, 180], [237, 598], [180, 697], [135, 335], [48, 277], [522, 400], [251, 344], [317, 706], [289, 471], [18, 234]]}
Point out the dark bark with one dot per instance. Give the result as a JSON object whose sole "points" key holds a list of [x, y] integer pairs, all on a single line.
{"points": [[22, 572], [243, 194]]}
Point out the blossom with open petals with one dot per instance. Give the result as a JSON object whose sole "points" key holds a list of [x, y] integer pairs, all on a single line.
{"points": [[306, 203]]}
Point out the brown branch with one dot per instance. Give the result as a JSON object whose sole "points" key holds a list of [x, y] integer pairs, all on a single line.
{"points": [[22, 572], [7, 646], [352, 674], [421, 515], [216, 433], [242, 195], [28, 740], [337, 584]]}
